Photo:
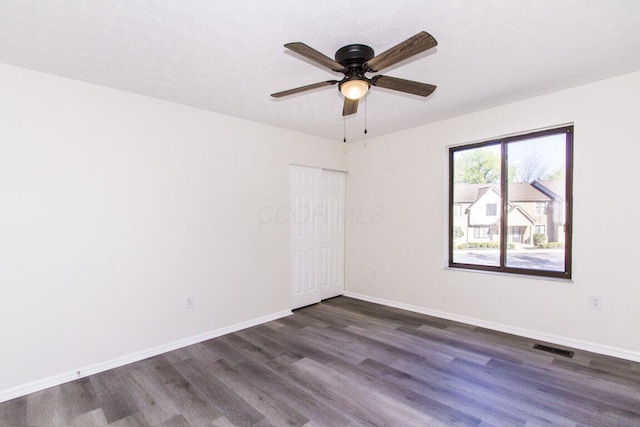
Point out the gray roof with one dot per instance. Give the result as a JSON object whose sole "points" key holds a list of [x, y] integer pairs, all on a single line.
{"points": [[518, 191], [469, 193], [554, 188], [525, 192]]}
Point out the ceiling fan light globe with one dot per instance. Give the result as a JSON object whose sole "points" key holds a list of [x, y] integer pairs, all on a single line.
{"points": [[354, 89]]}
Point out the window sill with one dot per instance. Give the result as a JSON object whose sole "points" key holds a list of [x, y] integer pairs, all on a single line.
{"points": [[520, 276]]}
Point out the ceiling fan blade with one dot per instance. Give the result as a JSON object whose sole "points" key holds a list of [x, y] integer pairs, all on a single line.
{"points": [[350, 106], [303, 88], [402, 85], [315, 56], [408, 48]]}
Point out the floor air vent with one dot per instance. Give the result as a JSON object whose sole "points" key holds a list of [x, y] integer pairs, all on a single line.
{"points": [[565, 353]]}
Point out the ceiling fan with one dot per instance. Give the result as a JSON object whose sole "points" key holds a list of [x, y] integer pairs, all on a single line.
{"points": [[355, 60]]}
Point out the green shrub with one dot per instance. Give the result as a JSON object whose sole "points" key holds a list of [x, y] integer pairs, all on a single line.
{"points": [[483, 245], [552, 245], [539, 239]]}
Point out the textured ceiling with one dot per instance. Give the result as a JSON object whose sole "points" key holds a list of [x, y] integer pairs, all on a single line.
{"points": [[228, 56]]}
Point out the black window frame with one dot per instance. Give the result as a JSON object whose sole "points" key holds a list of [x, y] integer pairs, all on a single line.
{"points": [[568, 205]]}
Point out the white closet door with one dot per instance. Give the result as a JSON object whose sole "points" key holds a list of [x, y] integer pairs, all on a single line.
{"points": [[332, 234], [317, 234], [305, 185]]}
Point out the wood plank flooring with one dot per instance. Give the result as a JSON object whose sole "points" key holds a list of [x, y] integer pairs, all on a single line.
{"points": [[346, 362]]}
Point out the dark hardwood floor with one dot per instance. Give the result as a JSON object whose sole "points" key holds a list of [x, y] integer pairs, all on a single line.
{"points": [[346, 362]]}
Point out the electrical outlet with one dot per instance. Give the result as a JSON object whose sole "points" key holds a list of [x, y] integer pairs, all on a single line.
{"points": [[595, 303], [373, 273], [190, 302]]}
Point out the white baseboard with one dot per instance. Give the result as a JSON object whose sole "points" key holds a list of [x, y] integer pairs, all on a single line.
{"points": [[527, 333], [65, 377]]}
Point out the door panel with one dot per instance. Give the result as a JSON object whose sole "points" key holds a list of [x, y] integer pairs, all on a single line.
{"points": [[317, 234], [332, 239], [305, 240]]}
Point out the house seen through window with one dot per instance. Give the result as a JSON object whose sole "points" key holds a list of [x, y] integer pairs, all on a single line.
{"points": [[510, 204]]}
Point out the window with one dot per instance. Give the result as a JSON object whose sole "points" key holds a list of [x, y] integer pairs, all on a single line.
{"points": [[507, 184], [481, 232], [458, 209]]}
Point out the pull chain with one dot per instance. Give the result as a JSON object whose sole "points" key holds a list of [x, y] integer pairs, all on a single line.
{"points": [[365, 116], [344, 129]]}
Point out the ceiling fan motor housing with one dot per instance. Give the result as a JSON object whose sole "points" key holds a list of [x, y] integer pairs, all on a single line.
{"points": [[354, 55]]}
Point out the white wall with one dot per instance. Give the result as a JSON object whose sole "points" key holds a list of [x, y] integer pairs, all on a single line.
{"points": [[115, 207], [404, 175]]}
